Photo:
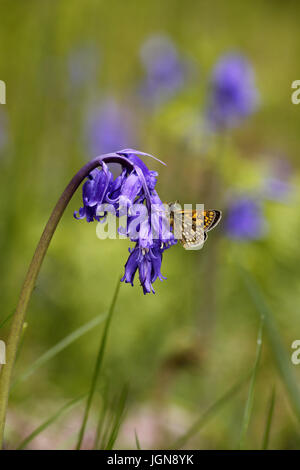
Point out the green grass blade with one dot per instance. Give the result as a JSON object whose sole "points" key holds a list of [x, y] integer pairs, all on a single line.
{"points": [[119, 415], [266, 437], [249, 402], [6, 319], [58, 347], [210, 413], [97, 366], [137, 441], [109, 421], [101, 419], [49, 421], [108, 424], [280, 354]]}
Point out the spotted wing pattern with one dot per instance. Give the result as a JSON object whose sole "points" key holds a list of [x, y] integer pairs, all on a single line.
{"points": [[195, 226]]}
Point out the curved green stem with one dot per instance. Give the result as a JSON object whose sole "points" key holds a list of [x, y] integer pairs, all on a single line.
{"points": [[32, 273]]}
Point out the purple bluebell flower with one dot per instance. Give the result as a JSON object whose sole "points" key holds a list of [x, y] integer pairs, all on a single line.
{"points": [[148, 263], [234, 95], [94, 193], [277, 189], [130, 189], [277, 185], [245, 220], [132, 192], [109, 127], [165, 70]]}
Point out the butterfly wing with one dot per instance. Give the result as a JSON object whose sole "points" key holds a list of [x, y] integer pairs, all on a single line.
{"points": [[211, 219], [195, 226]]}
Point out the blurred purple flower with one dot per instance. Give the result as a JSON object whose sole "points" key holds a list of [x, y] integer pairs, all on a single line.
{"points": [[233, 92], [276, 189], [245, 220], [110, 127], [277, 185], [132, 186], [165, 70]]}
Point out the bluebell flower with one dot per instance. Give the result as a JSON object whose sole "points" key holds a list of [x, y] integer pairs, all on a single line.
{"points": [[277, 185], [245, 220], [131, 188], [277, 189], [94, 192], [109, 126], [132, 192], [165, 71], [233, 95], [148, 263]]}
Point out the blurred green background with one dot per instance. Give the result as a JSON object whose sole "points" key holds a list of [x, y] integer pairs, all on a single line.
{"points": [[182, 348]]}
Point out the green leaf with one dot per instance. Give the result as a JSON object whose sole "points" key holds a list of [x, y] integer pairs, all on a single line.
{"points": [[210, 413], [98, 366], [6, 319], [119, 415], [107, 423], [280, 354], [49, 421], [101, 420], [58, 347], [266, 437], [249, 402], [137, 441]]}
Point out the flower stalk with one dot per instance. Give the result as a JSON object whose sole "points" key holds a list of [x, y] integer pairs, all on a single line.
{"points": [[33, 271]]}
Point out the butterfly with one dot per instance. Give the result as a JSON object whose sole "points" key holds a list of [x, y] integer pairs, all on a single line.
{"points": [[193, 225]]}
